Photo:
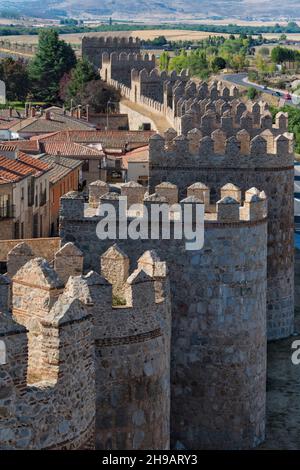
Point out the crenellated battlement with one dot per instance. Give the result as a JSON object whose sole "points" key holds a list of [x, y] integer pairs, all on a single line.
{"points": [[93, 47], [265, 150], [228, 208], [48, 355], [98, 41], [59, 315], [124, 58], [218, 292]]}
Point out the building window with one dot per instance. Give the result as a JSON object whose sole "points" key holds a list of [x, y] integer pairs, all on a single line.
{"points": [[22, 194], [2, 353], [22, 230]]}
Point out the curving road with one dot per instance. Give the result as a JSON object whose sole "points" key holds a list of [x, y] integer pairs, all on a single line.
{"points": [[239, 79]]}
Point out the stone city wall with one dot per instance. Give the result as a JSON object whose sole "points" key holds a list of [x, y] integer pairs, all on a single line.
{"points": [[218, 295]]}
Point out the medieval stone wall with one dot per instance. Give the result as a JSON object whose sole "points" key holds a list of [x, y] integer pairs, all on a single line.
{"points": [[218, 297], [132, 342], [84, 362], [267, 162], [119, 67], [93, 47], [42, 404]]}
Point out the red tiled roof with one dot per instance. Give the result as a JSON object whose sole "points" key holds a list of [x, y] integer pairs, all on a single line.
{"points": [[44, 136], [14, 170], [111, 138], [139, 155], [57, 122], [70, 149], [23, 145], [8, 123]]}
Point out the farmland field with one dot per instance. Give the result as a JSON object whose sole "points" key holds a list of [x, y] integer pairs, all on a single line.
{"points": [[170, 34]]}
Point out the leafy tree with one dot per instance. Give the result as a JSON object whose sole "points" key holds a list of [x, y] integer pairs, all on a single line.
{"points": [[264, 51], [164, 61], [14, 74], [238, 62], [280, 55], [159, 41], [283, 37], [97, 94], [252, 93], [82, 74], [218, 63], [196, 62], [53, 59]]}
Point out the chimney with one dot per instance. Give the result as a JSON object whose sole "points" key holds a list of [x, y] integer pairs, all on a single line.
{"points": [[79, 112], [32, 112], [88, 112], [10, 112], [48, 116], [11, 154]]}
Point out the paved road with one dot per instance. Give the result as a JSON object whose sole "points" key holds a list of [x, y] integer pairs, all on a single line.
{"points": [[238, 79]]}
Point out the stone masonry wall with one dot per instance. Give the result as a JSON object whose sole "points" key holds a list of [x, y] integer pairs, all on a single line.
{"points": [[93, 47], [76, 353], [44, 247], [218, 298], [268, 167], [132, 343], [52, 407]]}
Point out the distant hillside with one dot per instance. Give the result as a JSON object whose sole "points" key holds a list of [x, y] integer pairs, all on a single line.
{"points": [[273, 9]]}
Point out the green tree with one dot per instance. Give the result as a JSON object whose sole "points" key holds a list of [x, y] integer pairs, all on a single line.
{"points": [[15, 75], [252, 93], [100, 97], [164, 61], [264, 51], [218, 63], [283, 37], [82, 74], [53, 59], [283, 55]]}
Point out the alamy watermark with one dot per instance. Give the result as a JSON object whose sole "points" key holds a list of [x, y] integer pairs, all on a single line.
{"points": [[296, 353], [156, 221]]}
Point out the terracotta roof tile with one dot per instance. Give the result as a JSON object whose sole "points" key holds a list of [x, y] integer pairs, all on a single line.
{"points": [[14, 170], [23, 145], [140, 155], [59, 168], [70, 149], [109, 139], [40, 125], [8, 123]]}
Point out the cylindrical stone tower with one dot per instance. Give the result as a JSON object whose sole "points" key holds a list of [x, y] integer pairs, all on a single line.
{"points": [[265, 162]]}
